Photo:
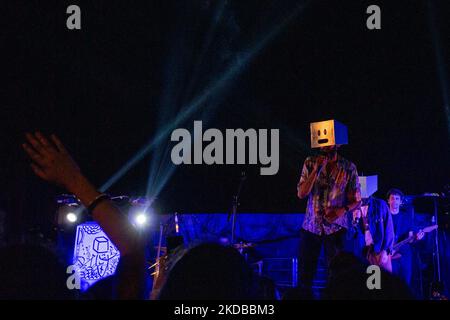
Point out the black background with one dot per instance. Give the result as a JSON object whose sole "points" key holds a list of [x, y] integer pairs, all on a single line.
{"points": [[103, 88]]}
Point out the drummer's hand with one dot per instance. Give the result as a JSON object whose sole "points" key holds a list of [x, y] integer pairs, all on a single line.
{"points": [[51, 161]]}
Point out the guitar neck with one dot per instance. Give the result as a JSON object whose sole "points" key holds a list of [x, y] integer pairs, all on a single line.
{"points": [[408, 240], [400, 244]]}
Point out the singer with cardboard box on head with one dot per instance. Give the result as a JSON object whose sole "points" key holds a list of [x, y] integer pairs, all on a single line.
{"points": [[331, 185]]}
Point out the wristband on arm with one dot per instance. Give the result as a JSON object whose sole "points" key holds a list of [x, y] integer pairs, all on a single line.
{"points": [[91, 207]]}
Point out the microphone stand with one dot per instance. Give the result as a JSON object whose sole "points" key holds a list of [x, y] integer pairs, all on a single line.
{"points": [[434, 220], [234, 207], [436, 253]]}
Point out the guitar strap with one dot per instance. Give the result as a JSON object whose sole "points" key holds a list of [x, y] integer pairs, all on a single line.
{"points": [[370, 255], [367, 235]]}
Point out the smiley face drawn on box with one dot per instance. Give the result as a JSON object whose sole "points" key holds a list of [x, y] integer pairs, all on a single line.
{"points": [[328, 133]]}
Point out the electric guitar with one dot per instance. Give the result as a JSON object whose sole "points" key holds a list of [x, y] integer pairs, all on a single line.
{"points": [[398, 245], [381, 259]]}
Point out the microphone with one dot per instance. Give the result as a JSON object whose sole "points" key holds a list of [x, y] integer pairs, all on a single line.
{"points": [[235, 202], [431, 194], [320, 168]]}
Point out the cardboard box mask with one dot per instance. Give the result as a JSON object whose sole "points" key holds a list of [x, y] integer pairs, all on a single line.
{"points": [[328, 133], [369, 185]]}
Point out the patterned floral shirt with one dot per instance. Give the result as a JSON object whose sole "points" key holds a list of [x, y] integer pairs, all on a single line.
{"points": [[337, 188]]}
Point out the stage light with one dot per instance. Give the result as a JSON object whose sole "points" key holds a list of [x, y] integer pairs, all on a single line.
{"points": [[141, 219], [70, 212], [141, 212], [71, 217]]}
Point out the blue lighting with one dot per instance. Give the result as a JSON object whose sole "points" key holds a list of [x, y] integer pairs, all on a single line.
{"points": [[95, 257]]}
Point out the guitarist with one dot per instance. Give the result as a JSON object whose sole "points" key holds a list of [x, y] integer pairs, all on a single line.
{"points": [[372, 223], [403, 228]]}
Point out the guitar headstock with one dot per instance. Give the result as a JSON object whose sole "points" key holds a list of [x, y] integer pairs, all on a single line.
{"points": [[430, 228]]}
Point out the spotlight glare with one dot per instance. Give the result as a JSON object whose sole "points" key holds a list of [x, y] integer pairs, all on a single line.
{"points": [[141, 219], [71, 217]]}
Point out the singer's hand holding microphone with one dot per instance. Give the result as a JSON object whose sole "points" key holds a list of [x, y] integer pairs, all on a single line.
{"points": [[320, 163]]}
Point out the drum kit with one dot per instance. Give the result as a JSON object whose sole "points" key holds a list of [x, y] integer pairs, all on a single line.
{"points": [[165, 257]]}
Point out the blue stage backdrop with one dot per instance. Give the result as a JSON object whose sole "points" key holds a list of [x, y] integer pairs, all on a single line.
{"points": [[273, 238]]}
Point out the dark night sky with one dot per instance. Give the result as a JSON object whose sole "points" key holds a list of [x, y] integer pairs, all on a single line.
{"points": [[102, 89]]}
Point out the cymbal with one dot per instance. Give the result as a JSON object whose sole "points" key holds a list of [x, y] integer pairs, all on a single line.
{"points": [[244, 245]]}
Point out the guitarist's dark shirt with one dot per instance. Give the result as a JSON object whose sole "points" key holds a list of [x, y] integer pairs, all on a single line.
{"points": [[403, 223], [380, 225]]}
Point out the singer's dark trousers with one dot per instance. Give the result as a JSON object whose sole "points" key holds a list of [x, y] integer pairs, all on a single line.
{"points": [[310, 247]]}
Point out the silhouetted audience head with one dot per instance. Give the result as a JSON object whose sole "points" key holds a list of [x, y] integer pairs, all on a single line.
{"points": [[348, 277], [267, 289], [32, 272], [104, 289], [210, 271], [298, 293]]}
